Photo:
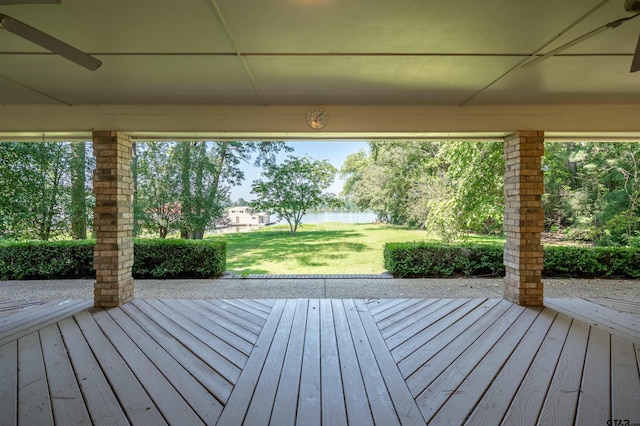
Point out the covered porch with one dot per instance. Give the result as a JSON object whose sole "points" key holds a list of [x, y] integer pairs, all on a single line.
{"points": [[317, 70], [320, 361], [223, 69]]}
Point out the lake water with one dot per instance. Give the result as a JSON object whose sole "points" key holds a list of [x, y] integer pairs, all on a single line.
{"points": [[340, 217]]}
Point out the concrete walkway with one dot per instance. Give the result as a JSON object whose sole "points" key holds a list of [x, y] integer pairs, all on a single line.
{"points": [[280, 288]]}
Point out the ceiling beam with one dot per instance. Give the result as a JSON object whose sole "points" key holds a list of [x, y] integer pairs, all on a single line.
{"points": [[289, 122]]}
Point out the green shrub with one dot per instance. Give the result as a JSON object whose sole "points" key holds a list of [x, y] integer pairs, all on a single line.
{"points": [[591, 262], [39, 259], [441, 260], [74, 259], [159, 258]]}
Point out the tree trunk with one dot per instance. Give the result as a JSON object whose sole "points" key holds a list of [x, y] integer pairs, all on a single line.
{"points": [[78, 193], [199, 204], [224, 149], [185, 191], [134, 177]]}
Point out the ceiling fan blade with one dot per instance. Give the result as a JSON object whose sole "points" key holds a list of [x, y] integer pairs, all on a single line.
{"points": [[565, 46], [48, 42], [635, 65], [605, 27], [11, 2]]}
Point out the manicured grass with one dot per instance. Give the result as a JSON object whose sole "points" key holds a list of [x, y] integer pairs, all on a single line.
{"points": [[330, 248]]}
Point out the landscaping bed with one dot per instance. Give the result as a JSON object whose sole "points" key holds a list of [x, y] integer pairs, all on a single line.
{"points": [[153, 258], [450, 260]]}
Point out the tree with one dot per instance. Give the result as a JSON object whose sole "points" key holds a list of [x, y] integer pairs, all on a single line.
{"points": [[292, 188], [157, 186], [201, 196], [592, 191], [190, 181], [381, 180], [475, 199], [208, 171], [77, 166], [35, 195], [448, 188], [137, 213]]}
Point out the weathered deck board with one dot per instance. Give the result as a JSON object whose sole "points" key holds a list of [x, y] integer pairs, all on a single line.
{"points": [[67, 402], [285, 362], [378, 395], [462, 401], [610, 320], [439, 336], [332, 394], [358, 411], [562, 399], [309, 392], [191, 339], [405, 407], [34, 403], [528, 400], [238, 403], [229, 359], [238, 344], [11, 306], [442, 357], [405, 343], [409, 332], [445, 380], [623, 306], [185, 349], [259, 307], [226, 309], [594, 404], [377, 307], [9, 383], [24, 322], [261, 405], [135, 401], [495, 401], [410, 316], [398, 309], [164, 396], [199, 399], [287, 396], [99, 397], [241, 322], [625, 395]]}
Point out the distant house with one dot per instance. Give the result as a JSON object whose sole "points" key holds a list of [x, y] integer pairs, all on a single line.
{"points": [[243, 216]]}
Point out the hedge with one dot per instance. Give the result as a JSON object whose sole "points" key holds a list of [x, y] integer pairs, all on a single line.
{"points": [[153, 258], [37, 260], [442, 260], [591, 262], [179, 258]]}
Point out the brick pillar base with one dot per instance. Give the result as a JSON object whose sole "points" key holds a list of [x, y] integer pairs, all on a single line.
{"points": [[113, 219], [523, 218]]}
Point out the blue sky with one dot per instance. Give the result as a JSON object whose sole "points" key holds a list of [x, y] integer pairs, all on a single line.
{"points": [[334, 151]]}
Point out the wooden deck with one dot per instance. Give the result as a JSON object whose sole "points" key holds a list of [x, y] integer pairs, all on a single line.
{"points": [[331, 362]]}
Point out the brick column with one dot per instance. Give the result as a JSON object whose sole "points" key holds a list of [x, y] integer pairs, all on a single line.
{"points": [[523, 218], [113, 219]]}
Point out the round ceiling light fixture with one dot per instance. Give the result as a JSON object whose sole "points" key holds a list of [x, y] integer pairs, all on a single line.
{"points": [[317, 118]]}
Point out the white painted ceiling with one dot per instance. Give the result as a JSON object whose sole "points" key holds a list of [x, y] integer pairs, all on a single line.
{"points": [[334, 52]]}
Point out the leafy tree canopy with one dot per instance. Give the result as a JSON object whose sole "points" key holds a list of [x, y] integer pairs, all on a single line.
{"points": [[447, 188], [293, 187], [185, 185], [34, 189]]}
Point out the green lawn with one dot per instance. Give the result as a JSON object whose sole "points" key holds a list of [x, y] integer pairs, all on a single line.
{"points": [[330, 248]]}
